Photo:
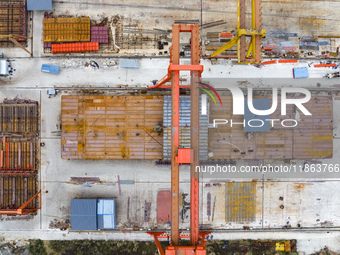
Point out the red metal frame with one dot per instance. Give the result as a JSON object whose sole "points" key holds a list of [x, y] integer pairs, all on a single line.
{"points": [[199, 249], [5, 169], [16, 172], [197, 239]]}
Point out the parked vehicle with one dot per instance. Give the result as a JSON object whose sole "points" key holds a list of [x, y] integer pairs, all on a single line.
{"points": [[5, 67], [332, 75]]}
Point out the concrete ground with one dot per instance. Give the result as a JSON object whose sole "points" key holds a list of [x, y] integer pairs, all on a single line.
{"points": [[110, 75], [305, 18], [312, 203], [306, 201]]}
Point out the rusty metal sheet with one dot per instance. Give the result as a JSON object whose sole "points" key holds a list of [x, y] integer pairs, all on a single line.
{"points": [[111, 127], [240, 202], [312, 138], [19, 118], [164, 206]]}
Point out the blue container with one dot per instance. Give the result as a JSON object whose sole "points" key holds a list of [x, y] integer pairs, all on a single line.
{"points": [[301, 72], [50, 69]]}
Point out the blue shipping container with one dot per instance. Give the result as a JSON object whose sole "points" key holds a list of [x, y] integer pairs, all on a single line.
{"points": [[301, 72], [50, 69]]}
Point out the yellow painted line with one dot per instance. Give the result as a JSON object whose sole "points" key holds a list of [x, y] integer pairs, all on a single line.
{"points": [[322, 153], [322, 138]]}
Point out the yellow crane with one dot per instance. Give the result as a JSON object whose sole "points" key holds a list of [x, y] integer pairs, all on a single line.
{"points": [[253, 55], [13, 38]]}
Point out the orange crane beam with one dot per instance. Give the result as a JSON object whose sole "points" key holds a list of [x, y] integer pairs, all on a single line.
{"points": [[175, 137], [194, 137]]}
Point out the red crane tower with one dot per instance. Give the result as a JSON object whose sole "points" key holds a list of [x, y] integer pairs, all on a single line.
{"points": [[179, 155]]}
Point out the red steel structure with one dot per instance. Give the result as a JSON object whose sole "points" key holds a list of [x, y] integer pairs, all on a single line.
{"points": [[181, 156], [15, 159]]}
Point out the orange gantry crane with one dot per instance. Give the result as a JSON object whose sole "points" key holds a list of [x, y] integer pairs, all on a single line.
{"points": [[180, 155]]}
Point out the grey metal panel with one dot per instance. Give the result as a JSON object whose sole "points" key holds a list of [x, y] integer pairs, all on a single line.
{"points": [[259, 104], [84, 222], [39, 5], [184, 123], [84, 206], [83, 214], [129, 63]]}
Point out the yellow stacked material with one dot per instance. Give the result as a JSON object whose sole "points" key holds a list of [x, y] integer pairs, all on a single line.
{"points": [[287, 246], [279, 247], [67, 30]]}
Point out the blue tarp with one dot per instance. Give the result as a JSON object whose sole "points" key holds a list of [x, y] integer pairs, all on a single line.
{"points": [[39, 5], [50, 69], [301, 72]]}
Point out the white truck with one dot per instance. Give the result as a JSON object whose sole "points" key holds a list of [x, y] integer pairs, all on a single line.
{"points": [[5, 67]]}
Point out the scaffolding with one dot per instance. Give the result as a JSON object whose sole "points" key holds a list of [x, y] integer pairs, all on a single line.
{"points": [[18, 163], [13, 21]]}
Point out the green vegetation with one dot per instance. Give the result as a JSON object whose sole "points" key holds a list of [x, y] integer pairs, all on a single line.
{"points": [[90, 247], [37, 247], [82, 247], [247, 247]]}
